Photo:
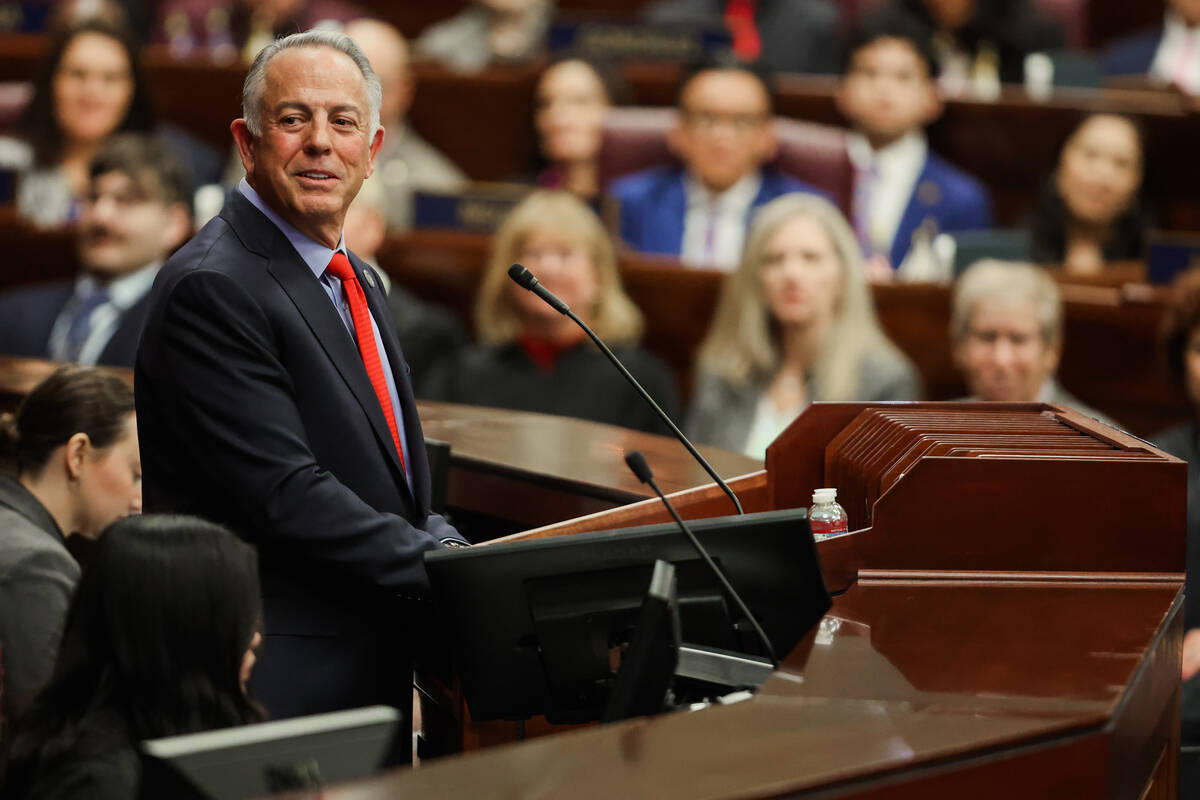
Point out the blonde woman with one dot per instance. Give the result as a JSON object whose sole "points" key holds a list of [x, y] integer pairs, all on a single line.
{"points": [[532, 358], [795, 323]]}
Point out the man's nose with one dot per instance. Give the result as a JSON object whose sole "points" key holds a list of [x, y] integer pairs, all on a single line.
{"points": [[318, 140]]}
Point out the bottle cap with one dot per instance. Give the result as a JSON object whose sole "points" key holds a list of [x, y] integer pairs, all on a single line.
{"points": [[824, 496]]}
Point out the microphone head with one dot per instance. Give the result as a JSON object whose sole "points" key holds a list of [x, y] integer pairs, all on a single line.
{"points": [[637, 463], [522, 277]]}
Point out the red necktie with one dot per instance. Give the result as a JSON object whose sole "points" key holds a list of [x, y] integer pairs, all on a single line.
{"points": [[339, 267], [739, 18]]}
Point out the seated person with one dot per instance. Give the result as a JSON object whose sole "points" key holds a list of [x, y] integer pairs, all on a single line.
{"points": [[489, 32], [1006, 332], [1089, 210], [428, 334], [1168, 54], [534, 359], [795, 323], [573, 97], [90, 87], [134, 215], [137, 659], [699, 210], [782, 35], [406, 163], [889, 94], [983, 41], [72, 454]]}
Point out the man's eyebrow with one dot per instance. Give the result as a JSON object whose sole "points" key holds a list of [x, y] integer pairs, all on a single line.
{"points": [[307, 109]]}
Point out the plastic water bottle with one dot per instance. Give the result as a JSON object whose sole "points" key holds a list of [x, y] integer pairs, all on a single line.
{"points": [[826, 517]]}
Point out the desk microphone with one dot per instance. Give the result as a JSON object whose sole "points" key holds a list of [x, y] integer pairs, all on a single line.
{"points": [[526, 280], [637, 463]]}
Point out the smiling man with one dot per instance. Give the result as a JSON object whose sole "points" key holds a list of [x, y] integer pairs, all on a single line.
{"points": [[134, 214], [273, 397]]}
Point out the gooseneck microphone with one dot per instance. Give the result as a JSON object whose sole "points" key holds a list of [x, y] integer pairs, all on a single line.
{"points": [[637, 463], [526, 280]]}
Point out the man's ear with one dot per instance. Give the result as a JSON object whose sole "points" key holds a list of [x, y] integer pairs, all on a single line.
{"points": [[676, 141], [245, 143], [768, 145], [934, 106], [376, 143], [179, 226]]}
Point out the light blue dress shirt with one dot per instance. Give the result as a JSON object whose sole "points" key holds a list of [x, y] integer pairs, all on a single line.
{"points": [[317, 257]]}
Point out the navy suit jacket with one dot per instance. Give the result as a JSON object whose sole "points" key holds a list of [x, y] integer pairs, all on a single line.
{"points": [[954, 199], [1133, 55], [27, 318], [255, 411], [654, 203]]}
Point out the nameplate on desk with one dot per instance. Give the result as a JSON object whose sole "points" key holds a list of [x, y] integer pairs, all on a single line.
{"points": [[627, 41], [475, 209]]}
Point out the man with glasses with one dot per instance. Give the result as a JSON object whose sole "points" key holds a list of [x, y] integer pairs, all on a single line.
{"points": [[699, 209], [135, 213]]}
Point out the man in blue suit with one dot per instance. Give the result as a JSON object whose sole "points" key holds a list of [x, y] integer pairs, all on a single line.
{"points": [[1167, 54], [273, 397], [136, 212], [699, 209], [889, 93]]}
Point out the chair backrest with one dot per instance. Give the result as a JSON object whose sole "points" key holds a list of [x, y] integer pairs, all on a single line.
{"points": [[1072, 15], [14, 96], [636, 138]]}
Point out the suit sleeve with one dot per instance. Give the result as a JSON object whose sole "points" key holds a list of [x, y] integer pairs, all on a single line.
{"points": [[219, 380], [40, 586]]}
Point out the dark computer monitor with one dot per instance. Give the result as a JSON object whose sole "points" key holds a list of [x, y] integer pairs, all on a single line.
{"points": [[535, 626], [258, 760]]}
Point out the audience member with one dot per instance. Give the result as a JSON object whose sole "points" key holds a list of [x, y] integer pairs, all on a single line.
{"points": [[72, 467], [573, 97], [1181, 341], [159, 641], [406, 163], [1089, 211], [489, 32], [1007, 335], [795, 323], [229, 28], [984, 41], [889, 93], [90, 87], [699, 210], [428, 334], [1168, 54], [273, 398], [533, 358], [135, 213], [783, 35]]}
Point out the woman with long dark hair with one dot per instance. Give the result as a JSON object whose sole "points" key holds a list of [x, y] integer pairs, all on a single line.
{"points": [[90, 86], [159, 641], [71, 457], [1090, 211]]}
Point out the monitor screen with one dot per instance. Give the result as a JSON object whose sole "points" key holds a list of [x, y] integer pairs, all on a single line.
{"points": [[536, 626], [258, 760]]}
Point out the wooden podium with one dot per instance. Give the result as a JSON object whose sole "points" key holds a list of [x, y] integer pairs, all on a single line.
{"points": [[1007, 620]]}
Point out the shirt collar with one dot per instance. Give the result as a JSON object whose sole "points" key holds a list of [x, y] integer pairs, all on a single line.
{"points": [[123, 292], [738, 197], [312, 252], [910, 149]]}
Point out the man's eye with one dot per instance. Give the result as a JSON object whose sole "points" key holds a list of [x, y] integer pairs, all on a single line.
{"points": [[289, 120]]}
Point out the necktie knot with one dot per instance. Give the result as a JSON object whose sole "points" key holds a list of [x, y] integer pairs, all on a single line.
{"points": [[339, 267]]}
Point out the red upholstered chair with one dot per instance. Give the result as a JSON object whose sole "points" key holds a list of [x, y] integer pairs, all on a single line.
{"points": [[1072, 16], [636, 138], [14, 96]]}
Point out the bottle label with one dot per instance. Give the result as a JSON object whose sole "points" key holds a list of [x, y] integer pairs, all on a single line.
{"points": [[826, 528]]}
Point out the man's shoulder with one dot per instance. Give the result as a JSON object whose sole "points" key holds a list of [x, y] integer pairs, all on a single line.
{"points": [[39, 299], [955, 182], [776, 183], [646, 183], [1133, 54]]}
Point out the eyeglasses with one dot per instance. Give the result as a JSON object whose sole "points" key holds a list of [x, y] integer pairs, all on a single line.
{"points": [[708, 121]]}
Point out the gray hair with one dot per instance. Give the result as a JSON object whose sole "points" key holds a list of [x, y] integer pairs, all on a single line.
{"points": [[1009, 282], [253, 88]]}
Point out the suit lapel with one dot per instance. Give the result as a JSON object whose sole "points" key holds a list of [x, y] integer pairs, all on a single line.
{"points": [[914, 214], [670, 213]]}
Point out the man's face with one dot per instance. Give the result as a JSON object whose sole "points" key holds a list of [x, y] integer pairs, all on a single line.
{"points": [[725, 130], [1004, 356], [1188, 9], [315, 147], [124, 227], [887, 91]]}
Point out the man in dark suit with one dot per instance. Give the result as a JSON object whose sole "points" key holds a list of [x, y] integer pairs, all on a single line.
{"points": [[136, 212], [273, 397], [1168, 53], [699, 209]]}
